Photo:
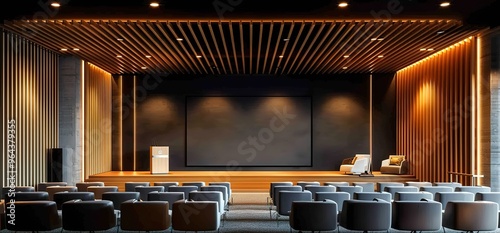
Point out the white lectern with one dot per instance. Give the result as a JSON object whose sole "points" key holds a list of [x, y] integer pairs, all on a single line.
{"points": [[159, 159]]}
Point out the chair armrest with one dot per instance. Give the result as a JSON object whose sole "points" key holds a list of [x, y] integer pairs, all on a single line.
{"points": [[347, 160], [385, 162]]}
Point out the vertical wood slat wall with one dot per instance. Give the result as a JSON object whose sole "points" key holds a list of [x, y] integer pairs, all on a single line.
{"points": [[98, 155], [433, 99], [30, 97]]}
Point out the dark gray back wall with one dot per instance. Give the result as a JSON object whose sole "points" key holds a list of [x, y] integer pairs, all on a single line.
{"points": [[340, 115]]}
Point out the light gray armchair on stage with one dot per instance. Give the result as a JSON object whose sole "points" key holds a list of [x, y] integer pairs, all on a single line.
{"points": [[471, 216], [313, 216], [365, 216], [423, 215]]}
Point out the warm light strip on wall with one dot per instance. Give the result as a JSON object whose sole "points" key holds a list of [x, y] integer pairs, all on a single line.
{"points": [[135, 129], [478, 154], [437, 53], [120, 122], [82, 122]]}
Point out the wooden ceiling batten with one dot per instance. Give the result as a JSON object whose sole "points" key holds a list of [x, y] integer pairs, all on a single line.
{"points": [[246, 46]]}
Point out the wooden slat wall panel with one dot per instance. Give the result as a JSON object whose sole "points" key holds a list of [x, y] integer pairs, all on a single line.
{"points": [[30, 97], [97, 120], [434, 128]]}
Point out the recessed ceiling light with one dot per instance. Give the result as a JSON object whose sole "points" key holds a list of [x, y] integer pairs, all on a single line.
{"points": [[423, 49], [380, 39], [144, 67], [346, 56], [444, 4], [119, 39], [380, 56], [148, 56], [431, 49], [440, 32], [286, 39], [280, 56], [55, 4], [179, 39], [76, 49], [119, 56], [198, 56], [343, 4], [64, 49], [345, 67], [373, 39], [154, 4]]}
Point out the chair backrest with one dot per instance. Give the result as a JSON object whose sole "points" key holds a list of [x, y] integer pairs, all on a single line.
{"points": [[171, 197], [62, 197], [43, 186], [393, 189], [144, 215], [54, 189], [368, 196], [488, 196], [420, 215], [303, 184], [412, 196], [350, 189], [286, 198], [445, 197], [35, 216], [314, 188], [418, 184], [194, 183], [274, 184], [6, 190], [367, 186], [82, 186], [28, 196], [130, 186], [220, 188], [185, 189], [472, 189], [208, 196], [119, 197], [277, 189], [166, 184], [144, 190], [364, 215], [88, 215], [381, 185], [471, 215], [99, 190], [227, 184], [435, 189], [337, 197], [448, 184], [206, 219], [313, 215], [337, 183]]}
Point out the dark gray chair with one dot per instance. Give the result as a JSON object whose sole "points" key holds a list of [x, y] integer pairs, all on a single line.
{"points": [[367, 186], [99, 190], [471, 216], [303, 184], [393, 189], [185, 189], [361, 215], [194, 183], [35, 216], [271, 189], [144, 190], [412, 196], [145, 215], [422, 215], [7, 190], [418, 184], [315, 188], [88, 215], [28, 196], [43, 186], [473, 189], [170, 197], [448, 184], [206, 219], [276, 194], [220, 188], [368, 196], [381, 185], [434, 189], [313, 216], [209, 196], [62, 197], [55, 189], [350, 189], [228, 186], [285, 200], [166, 184], [130, 186], [117, 198], [82, 186], [336, 183]]}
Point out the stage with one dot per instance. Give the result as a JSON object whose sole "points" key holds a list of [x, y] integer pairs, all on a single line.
{"points": [[242, 181]]}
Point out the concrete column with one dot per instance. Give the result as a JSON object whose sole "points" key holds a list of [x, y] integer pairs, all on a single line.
{"points": [[70, 117]]}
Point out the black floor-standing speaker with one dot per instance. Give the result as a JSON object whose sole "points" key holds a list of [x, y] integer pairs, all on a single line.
{"points": [[55, 165]]}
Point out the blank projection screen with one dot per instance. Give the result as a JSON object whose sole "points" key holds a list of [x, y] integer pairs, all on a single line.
{"points": [[248, 131]]}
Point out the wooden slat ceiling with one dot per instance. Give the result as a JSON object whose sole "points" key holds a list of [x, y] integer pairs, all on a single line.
{"points": [[302, 47]]}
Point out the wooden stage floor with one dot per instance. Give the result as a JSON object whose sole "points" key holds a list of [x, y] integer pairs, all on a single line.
{"points": [[242, 181]]}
